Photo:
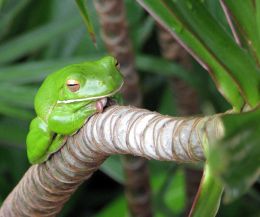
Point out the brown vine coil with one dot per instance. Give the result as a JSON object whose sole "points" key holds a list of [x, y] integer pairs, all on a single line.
{"points": [[114, 31], [124, 130], [185, 96], [186, 99]]}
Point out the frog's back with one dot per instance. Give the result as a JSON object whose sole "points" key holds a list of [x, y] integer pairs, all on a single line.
{"points": [[47, 95]]}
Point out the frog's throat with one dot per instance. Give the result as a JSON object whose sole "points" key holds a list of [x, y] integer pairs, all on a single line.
{"points": [[91, 98]]}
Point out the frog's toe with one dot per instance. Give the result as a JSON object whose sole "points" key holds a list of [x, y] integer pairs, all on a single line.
{"points": [[57, 143]]}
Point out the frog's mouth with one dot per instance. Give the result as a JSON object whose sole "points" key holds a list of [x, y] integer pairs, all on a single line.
{"points": [[93, 98]]}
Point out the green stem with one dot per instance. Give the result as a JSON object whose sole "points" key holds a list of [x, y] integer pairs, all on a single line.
{"points": [[207, 200]]}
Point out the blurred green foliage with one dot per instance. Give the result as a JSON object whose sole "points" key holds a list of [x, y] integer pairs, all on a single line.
{"points": [[39, 37]]}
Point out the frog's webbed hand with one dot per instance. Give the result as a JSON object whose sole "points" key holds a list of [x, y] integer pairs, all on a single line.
{"points": [[67, 123], [38, 141]]}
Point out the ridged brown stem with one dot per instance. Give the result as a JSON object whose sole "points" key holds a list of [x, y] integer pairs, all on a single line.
{"points": [[116, 38], [123, 130], [114, 31], [186, 100]]}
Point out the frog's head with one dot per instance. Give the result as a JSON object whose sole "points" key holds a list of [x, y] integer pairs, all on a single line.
{"points": [[90, 82]]}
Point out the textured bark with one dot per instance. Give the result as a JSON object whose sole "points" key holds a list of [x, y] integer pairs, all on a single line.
{"points": [[119, 130], [114, 32], [115, 35], [186, 100], [186, 96]]}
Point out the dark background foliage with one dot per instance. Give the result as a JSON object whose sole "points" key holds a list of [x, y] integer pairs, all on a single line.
{"points": [[39, 37]]}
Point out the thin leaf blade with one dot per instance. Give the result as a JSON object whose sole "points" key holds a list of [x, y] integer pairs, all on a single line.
{"points": [[84, 13]]}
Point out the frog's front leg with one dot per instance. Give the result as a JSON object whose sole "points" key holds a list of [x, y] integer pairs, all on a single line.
{"points": [[38, 141], [66, 123]]}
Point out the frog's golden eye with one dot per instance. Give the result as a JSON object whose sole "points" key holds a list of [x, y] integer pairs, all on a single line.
{"points": [[117, 65], [73, 85]]}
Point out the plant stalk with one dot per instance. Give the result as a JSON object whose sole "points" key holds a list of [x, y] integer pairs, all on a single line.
{"points": [[118, 130]]}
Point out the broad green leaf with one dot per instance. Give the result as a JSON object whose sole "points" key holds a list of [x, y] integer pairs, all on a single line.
{"points": [[224, 48], [258, 19], [208, 198], [75, 42], [140, 28], [159, 173], [167, 105], [36, 71], [134, 14], [35, 39], [237, 62], [11, 10], [113, 168], [10, 127], [174, 196], [116, 208], [246, 22], [70, 44], [230, 66], [168, 185], [13, 164], [144, 31], [214, 7], [165, 67], [15, 112], [235, 159], [17, 95], [1, 4]]}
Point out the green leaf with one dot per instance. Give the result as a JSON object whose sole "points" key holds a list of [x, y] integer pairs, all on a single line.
{"points": [[230, 66], [10, 127], [113, 168], [168, 185], [15, 112], [214, 7], [208, 198], [174, 195], [165, 67], [235, 159], [84, 13], [246, 22], [167, 104], [36, 71], [35, 39], [118, 207], [11, 10], [258, 19], [2, 2], [144, 31], [17, 95]]}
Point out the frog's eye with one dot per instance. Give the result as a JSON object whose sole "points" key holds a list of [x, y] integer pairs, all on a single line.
{"points": [[117, 65], [73, 85]]}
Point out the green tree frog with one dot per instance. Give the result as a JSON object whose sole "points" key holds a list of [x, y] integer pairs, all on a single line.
{"points": [[65, 100]]}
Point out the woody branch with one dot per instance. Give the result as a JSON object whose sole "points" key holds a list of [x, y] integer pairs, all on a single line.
{"points": [[118, 130]]}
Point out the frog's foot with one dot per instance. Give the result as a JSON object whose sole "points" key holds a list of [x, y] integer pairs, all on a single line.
{"points": [[100, 104], [56, 144], [58, 141], [38, 140]]}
